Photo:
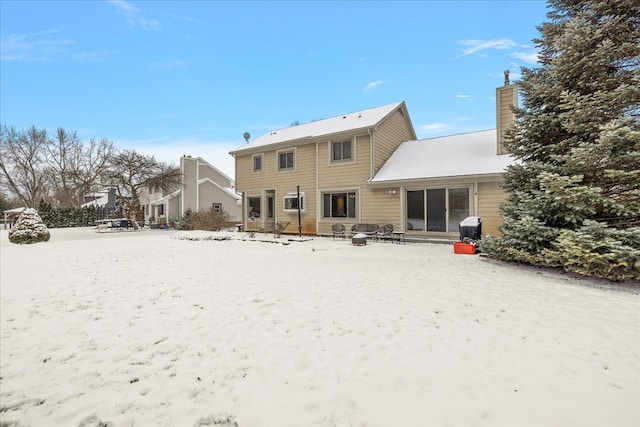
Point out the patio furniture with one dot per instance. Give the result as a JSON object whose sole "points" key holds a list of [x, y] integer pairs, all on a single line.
{"points": [[369, 230], [359, 239], [397, 236], [385, 233], [337, 230]]}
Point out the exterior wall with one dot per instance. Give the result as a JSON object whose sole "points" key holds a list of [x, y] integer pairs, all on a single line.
{"points": [[490, 196], [173, 206], [316, 174], [189, 194], [206, 171], [388, 137], [280, 183], [211, 193], [506, 97]]}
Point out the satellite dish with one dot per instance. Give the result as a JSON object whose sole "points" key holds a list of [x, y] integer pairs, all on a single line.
{"points": [[246, 136]]}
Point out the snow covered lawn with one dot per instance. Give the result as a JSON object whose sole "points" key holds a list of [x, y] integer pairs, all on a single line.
{"points": [[146, 329]]}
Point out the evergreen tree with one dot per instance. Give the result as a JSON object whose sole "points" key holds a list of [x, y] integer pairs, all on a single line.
{"points": [[574, 194], [29, 228]]}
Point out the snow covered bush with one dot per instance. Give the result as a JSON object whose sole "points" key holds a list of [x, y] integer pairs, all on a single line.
{"points": [[29, 228]]}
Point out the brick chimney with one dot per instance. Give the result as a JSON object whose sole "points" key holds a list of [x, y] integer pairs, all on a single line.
{"points": [[506, 97]]}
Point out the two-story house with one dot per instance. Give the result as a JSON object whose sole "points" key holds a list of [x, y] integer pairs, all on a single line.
{"points": [[368, 167], [330, 161], [202, 187]]}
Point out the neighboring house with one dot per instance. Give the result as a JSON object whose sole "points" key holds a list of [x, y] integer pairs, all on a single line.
{"points": [[105, 202], [368, 167], [10, 216], [203, 187]]}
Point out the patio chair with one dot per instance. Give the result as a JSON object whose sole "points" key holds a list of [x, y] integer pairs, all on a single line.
{"points": [[337, 230], [385, 233]]}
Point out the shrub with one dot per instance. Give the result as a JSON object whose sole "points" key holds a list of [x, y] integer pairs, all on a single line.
{"points": [[29, 228], [208, 220]]}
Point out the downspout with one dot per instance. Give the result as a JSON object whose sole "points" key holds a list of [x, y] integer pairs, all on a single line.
{"points": [[475, 198], [318, 201], [373, 153]]}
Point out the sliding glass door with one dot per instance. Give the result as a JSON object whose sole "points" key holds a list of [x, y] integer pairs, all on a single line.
{"points": [[437, 209]]}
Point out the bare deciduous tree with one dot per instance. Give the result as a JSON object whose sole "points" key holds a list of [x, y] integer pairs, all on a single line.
{"points": [[90, 167], [63, 151], [131, 171], [23, 164]]}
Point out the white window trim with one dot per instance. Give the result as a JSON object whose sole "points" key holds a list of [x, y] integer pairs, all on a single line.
{"points": [[303, 201], [350, 161], [357, 217], [295, 160]]}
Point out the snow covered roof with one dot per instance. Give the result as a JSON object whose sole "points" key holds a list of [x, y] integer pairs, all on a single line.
{"points": [[449, 156], [165, 198], [14, 210], [100, 201], [343, 123]]}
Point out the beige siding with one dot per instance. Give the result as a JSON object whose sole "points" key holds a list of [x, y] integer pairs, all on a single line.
{"points": [[304, 175], [506, 97], [389, 135], [344, 175], [316, 174], [490, 196]]}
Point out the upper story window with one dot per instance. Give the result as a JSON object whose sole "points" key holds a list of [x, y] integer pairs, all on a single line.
{"points": [[286, 160], [257, 163], [341, 151]]}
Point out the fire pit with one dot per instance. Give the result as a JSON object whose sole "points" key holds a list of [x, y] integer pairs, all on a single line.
{"points": [[359, 239]]}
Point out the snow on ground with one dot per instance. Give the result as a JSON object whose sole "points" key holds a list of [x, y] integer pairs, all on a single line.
{"points": [[148, 329]]}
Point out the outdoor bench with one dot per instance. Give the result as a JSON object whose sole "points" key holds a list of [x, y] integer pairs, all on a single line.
{"points": [[370, 230]]}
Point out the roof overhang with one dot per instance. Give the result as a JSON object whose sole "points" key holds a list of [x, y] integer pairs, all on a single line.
{"points": [[456, 179]]}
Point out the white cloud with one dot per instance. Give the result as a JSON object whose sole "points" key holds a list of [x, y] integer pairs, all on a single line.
{"points": [[476, 46], [371, 86], [463, 96], [528, 57], [134, 17], [40, 46], [433, 127]]}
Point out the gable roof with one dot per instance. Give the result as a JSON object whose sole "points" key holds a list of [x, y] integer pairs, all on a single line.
{"points": [[460, 155], [334, 125]]}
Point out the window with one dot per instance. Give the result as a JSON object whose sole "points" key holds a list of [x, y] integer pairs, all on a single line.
{"points": [[291, 202], [339, 205], [257, 163], [285, 160], [341, 151], [217, 207], [253, 207]]}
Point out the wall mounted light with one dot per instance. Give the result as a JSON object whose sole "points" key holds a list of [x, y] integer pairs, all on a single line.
{"points": [[392, 191]]}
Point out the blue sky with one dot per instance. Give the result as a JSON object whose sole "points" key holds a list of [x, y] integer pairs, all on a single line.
{"points": [[190, 77]]}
